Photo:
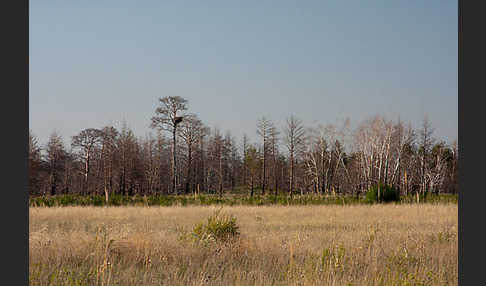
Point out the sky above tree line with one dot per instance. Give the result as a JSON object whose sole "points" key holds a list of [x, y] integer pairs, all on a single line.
{"points": [[94, 63]]}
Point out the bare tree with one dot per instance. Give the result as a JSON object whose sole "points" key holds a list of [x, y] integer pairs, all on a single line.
{"points": [[453, 175], [109, 137], [426, 142], [55, 159], [324, 158], [312, 158], [252, 162], [327, 137], [191, 129], [151, 166], [339, 151], [201, 139], [264, 130], [167, 117], [231, 158], [410, 164], [163, 160], [373, 141], [274, 140], [441, 156], [402, 137], [245, 146], [35, 162], [87, 140], [294, 139], [130, 165], [216, 159]]}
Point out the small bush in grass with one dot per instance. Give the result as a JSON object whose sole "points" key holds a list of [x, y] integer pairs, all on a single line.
{"points": [[218, 228], [387, 194]]}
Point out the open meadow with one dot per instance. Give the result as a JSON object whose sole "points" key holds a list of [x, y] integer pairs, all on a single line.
{"points": [[392, 244]]}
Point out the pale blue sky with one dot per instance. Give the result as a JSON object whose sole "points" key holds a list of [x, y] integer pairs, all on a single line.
{"points": [[98, 62]]}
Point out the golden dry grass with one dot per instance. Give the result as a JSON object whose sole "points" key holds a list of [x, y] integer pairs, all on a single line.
{"points": [[298, 245]]}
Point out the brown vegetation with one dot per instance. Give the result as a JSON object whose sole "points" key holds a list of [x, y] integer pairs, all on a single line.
{"points": [[301, 245]]}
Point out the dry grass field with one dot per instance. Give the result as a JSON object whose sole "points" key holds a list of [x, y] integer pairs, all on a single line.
{"points": [[295, 245]]}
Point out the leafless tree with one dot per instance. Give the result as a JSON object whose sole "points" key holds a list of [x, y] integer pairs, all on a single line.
{"points": [[325, 154], [205, 131], [373, 141], [151, 164], [130, 166], [294, 139], [425, 144], [252, 162], [55, 159], [440, 155], [35, 162], [327, 137], [191, 129], [454, 167], [245, 146], [216, 154], [87, 140], [163, 161], [402, 136], [167, 117], [264, 130], [109, 135], [273, 141], [339, 150], [231, 158]]}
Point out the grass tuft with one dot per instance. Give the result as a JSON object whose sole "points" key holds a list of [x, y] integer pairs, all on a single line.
{"points": [[218, 228]]}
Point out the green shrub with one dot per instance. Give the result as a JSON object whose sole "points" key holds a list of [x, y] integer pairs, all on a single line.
{"points": [[218, 228], [387, 194], [236, 199]]}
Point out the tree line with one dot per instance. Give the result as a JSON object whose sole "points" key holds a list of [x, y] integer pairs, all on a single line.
{"points": [[187, 156]]}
